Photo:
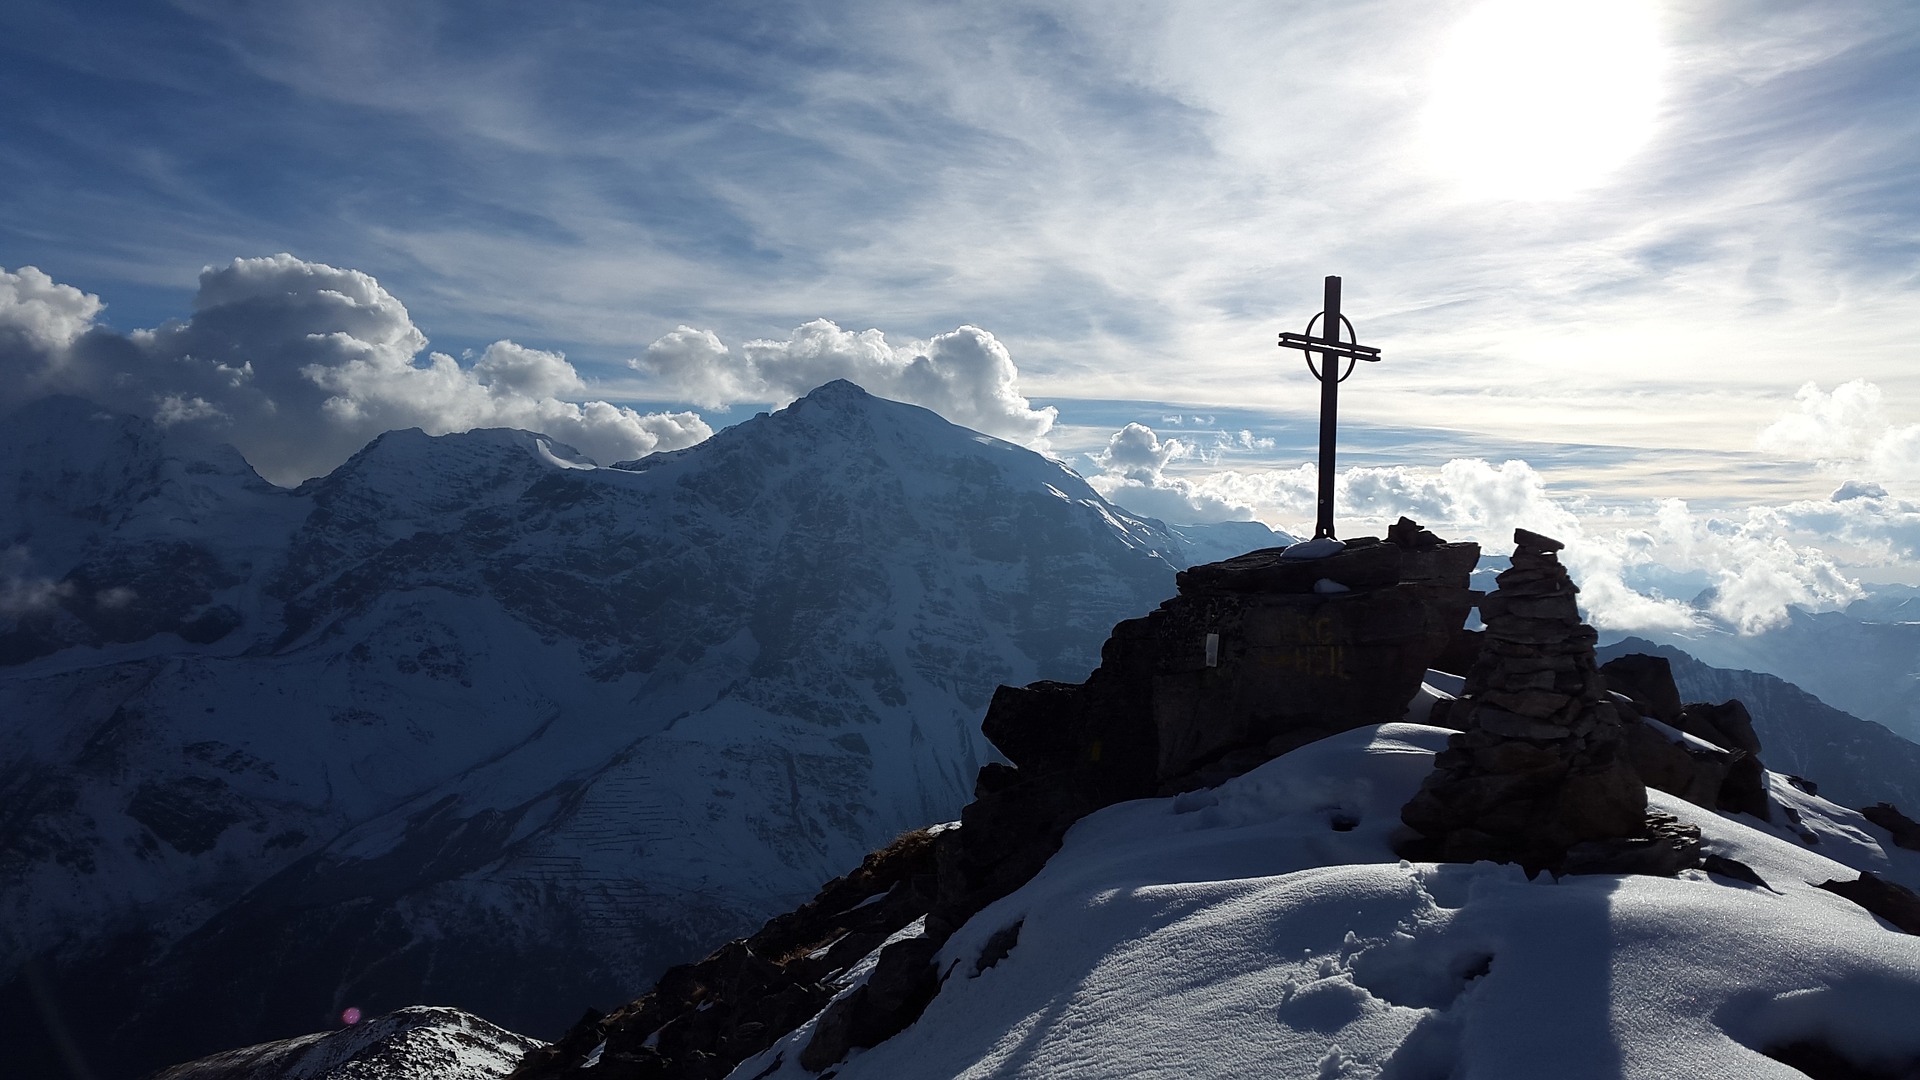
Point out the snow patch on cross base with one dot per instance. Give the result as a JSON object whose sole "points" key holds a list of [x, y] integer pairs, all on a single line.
{"points": [[1265, 928]]}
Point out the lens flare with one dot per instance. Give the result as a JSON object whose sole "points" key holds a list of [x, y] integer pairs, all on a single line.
{"points": [[350, 1015]]}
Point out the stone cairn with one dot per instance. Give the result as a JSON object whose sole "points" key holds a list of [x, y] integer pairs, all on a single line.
{"points": [[1539, 774]]}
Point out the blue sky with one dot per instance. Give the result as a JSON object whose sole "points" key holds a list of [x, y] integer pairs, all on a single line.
{"points": [[1614, 244]]}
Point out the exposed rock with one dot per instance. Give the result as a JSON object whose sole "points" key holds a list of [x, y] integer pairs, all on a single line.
{"points": [[1254, 658], [1727, 724], [894, 995], [1721, 866], [1891, 901], [420, 1041], [702, 1019], [1541, 773], [1664, 847], [1905, 830], [1648, 680]]}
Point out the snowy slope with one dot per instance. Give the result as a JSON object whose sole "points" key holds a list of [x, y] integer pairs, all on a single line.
{"points": [[1265, 928], [479, 705]]}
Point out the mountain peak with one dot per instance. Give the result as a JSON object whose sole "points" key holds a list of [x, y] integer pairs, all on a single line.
{"points": [[836, 391]]}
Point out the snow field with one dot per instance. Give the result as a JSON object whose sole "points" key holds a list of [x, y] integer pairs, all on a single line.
{"points": [[1265, 928]]}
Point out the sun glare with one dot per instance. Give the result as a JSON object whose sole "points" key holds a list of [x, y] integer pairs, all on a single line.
{"points": [[1542, 99]]}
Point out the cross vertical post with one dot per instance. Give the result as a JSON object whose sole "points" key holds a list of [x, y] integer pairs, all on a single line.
{"points": [[1329, 409], [1332, 350]]}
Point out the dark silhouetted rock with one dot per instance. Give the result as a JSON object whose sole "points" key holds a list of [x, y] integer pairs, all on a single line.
{"points": [[1893, 902], [1648, 680], [1541, 766], [1664, 847], [1734, 869], [894, 995], [1727, 724], [1905, 830]]}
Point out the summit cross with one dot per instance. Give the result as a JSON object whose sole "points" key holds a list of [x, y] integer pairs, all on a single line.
{"points": [[1332, 350]]}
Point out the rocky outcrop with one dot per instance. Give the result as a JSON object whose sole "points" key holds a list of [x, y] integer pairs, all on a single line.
{"points": [[1540, 773], [1727, 775], [701, 1019], [1890, 900], [1904, 830], [1256, 655], [406, 1044]]}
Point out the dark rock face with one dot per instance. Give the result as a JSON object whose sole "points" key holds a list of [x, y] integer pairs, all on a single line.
{"points": [[1889, 900], [1541, 764], [1858, 763], [702, 1019], [1257, 655], [1730, 779], [1905, 830]]}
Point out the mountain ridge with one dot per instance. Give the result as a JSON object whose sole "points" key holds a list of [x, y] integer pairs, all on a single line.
{"points": [[633, 710]]}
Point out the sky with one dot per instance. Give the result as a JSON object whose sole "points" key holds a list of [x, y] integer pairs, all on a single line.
{"points": [[1644, 274]]}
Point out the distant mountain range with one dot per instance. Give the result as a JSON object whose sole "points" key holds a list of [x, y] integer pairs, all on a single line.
{"points": [[471, 706], [1855, 762], [1865, 659]]}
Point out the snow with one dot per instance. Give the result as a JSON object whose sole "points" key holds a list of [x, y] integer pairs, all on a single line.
{"points": [[408, 1044], [1314, 549], [1266, 928]]}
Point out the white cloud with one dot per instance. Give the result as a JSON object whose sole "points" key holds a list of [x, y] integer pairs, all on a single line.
{"points": [[299, 364], [1131, 474], [40, 320], [965, 375], [44, 313], [1757, 565], [1847, 431], [1137, 452]]}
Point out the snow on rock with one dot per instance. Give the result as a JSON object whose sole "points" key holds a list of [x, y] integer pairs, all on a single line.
{"points": [[1265, 928], [420, 1042]]}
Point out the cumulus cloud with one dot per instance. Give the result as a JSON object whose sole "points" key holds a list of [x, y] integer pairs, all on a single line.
{"points": [[1847, 431], [1750, 567], [40, 319], [1131, 473], [965, 375], [299, 364]]}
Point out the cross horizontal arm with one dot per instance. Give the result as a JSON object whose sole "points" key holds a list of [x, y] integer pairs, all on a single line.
{"points": [[1344, 349]]}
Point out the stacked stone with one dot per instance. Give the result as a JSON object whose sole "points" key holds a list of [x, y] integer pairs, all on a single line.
{"points": [[1540, 765]]}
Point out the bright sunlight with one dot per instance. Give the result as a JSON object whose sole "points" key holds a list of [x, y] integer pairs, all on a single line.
{"points": [[1543, 100]]}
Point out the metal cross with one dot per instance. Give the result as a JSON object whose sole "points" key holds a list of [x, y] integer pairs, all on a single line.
{"points": [[1332, 350]]}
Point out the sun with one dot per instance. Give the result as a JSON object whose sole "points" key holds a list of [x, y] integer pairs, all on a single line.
{"points": [[1543, 99]]}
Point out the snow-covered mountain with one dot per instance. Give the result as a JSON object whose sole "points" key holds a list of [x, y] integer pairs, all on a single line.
{"points": [[472, 705]]}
